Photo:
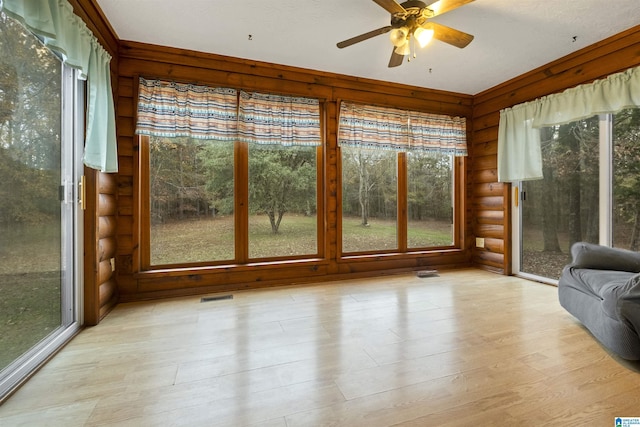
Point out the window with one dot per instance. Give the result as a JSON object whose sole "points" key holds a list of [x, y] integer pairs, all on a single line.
{"points": [[191, 191], [232, 177], [430, 200], [283, 219], [369, 200], [398, 187]]}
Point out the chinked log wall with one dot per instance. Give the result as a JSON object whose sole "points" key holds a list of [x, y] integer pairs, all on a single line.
{"points": [[151, 61], [492, 200], [100, 287]]}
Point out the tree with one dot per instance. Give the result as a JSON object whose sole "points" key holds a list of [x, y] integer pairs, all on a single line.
{"points": [[549, 220], [626, 186], [218, 166], [364, 186], [369, 183], [177, 179], [575, 156], [429, 193], [281, 180], [30, 127]]}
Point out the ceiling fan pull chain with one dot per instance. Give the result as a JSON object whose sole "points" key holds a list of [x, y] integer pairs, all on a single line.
{"points": [[412, 46], [413, 39]]}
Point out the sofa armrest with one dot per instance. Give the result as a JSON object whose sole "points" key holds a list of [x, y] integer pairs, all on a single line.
{"points": [[589, 255]]}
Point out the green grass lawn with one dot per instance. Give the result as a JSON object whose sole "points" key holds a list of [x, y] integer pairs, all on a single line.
{"points": [[382, 234], [211, 239], [29, 287]]}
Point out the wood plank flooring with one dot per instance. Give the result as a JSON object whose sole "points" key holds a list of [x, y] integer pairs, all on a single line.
{"points": [[464, 348]]}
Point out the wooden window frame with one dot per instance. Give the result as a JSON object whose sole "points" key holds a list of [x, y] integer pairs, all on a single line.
{"points": [[241, 211], [459, 207]]}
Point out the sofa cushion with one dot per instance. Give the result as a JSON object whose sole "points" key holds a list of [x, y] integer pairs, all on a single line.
{"points": [[629, 304], [595, 282], [612, 294]]}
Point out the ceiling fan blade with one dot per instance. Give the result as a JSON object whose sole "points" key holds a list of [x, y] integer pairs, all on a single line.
{"points": [[363, 37], [395, 59], [449, 35], [444, 6], [391, 6]]}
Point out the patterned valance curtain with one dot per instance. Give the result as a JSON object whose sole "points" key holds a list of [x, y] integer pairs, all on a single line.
{"points": [[383, 128], [519, 155], [379, 128], [65, 33], [274, 119], [170, 109], [437, 133]]}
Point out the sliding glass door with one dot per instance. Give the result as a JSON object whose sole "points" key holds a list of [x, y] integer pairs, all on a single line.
{"points": [[590, 192], [625, 219], [39, 130]]}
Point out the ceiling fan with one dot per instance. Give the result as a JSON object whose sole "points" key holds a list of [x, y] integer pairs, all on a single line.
{"points": [[411, 19]]}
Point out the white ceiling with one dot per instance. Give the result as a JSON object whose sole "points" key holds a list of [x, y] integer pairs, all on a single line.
{"points": [[511, 36]]}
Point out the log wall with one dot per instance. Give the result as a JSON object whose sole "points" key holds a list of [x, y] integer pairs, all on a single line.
{"points": [[100, 286], [150, 61], [112, 220], [492, 200]]}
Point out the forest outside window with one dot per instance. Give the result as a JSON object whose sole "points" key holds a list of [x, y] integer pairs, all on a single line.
{"points": [[398, 178], [191, 209], [578, 158], [245, 192], [430, 199]]}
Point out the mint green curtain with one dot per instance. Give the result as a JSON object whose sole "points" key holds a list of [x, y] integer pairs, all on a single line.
{"points": [[65, 33], [519, 156], [611, 95]]}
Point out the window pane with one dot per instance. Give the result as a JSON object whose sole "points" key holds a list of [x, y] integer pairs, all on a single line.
{"points": [[563, 207], [369, 200], [429, 200], [30, 173], [191, 200], [282, 201], [626, 179]]}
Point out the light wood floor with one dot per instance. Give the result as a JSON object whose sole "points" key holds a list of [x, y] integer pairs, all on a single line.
{"points": [[466, 348]]}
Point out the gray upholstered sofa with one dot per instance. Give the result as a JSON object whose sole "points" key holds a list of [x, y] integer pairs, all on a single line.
{"points": [[601, 288]]}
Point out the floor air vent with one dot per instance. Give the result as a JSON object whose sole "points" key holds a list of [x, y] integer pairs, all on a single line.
{"points": [[427, 273], [216, 298]]}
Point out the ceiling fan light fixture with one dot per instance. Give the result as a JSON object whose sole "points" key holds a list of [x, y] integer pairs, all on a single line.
{"points": [[423, 35], [398, 36], [404, 49], [435, 7]]}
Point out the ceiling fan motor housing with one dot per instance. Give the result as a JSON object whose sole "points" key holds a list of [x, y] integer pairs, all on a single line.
{"points": [[416, 14]]}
